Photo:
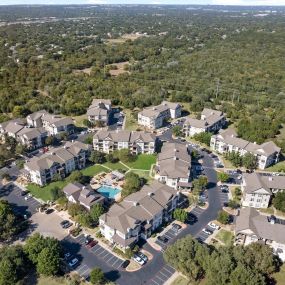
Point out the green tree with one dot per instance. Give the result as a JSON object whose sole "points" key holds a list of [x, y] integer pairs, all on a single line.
{"points": [[177, 131], [204, 138], [95, 212], [279, 201], [132, 184], [88, 140], [97, 157], [233, 204], [223, 177], [180, 215], [55, 193], [48, 261], [75, 209], [76, 176], [97, 276], [50, 140], [235, 158], [8, 221], [223, 217], [249, 161], [188, 257], [13, 264], [124, 155], [200, 184]]}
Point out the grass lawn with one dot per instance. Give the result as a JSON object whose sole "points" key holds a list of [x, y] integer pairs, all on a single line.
{"points": [[144, 174], [44, 193], [42, 280], [93, 170], [115, 166], [144, 161], [131, 122], [278, 167], [78, 120], [180, 280], [225, 236], [269, 211], [280, 276]]}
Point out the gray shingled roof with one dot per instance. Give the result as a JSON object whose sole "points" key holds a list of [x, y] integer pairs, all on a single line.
{"points": [[138, 207], [251, 219], [32, 133], [57, 120], [58, 155], [255, 181], [37, 115]]}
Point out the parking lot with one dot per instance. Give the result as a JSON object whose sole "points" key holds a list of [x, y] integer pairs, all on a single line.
{"points": [[162, 276], [102, 253], [12, 194], [224, 197]]}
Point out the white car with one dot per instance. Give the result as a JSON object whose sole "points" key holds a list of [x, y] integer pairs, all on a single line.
{"points": [[28, 197], [207, 232], [138, 260], [214, 226], [73, 262]]}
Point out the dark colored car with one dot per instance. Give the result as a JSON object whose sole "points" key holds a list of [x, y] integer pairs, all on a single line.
{"points": [[162, 239], [192, 218], [49, 211], [65, 224], [91, 243], [24, 193], [125, 264], [88, 239], [176, 228]]}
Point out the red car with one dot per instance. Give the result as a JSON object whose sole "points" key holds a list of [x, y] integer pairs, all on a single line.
{"points": [[91, 243]]}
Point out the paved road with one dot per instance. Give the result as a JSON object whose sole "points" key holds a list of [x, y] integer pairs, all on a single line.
{"points": [[156, 271]]}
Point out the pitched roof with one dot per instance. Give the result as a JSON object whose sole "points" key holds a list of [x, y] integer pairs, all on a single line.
{"points": [[31, 133], [124, 136], [209, 112], [37, 115], [58, 155], [229, 136], [139, 207], [171, 105], [57, 120], [251, 219]]}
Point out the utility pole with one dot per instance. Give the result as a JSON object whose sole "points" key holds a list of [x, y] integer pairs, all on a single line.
{"points": [[217, 87]]}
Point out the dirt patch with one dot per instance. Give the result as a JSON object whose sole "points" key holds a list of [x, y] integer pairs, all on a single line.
{"points": [[119, 68], [85, 71]]}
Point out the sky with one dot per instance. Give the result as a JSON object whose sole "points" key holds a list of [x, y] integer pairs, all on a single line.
{"points": [[158, 2]]}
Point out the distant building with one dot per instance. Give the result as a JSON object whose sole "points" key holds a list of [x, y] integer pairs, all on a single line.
{"points": [[99, 111], [154, 117], [136, 142], [211, 121], [59, 161], [251, 226], [227, 141], [84, 195], [173, 166], [53, 124], [139, 214], [258, 189]]}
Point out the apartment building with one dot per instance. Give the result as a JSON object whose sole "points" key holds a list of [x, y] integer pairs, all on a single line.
{"points": [[228, 141], [58, 161], [154, 117], [53, 124], [139, 214], [258, 189], [173, 166], [84, 195], [211, 121], [99, 111], [136, 142], [252, 226]]}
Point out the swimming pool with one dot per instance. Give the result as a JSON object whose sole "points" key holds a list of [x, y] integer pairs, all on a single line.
{"points": [[108, 191]]}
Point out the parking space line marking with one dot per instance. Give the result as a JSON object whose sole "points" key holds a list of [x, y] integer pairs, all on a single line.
{"points": [[104, 251], [160, 279], [155, 282], [105, 257], [163, 274], [168, 271], [112, 256], [101, 251], [116, 260], [96, 249], [169, 268], [84, 271]]}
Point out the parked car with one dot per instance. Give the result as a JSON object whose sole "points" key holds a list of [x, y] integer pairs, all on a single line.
{"points": [[28, 196], [91, 244], [88, 239], [49, 211], [73, 262], [24, 193], [65, 224], [176, 228], [162, 239], [214, 226], [125, 264], [192, 218], [207, 232], [142, 256], [138, 260]]}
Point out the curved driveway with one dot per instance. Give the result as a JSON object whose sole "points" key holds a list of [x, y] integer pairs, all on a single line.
{"points": [[149, 271]]}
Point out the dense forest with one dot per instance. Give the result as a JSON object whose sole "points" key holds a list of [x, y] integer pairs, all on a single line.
{"points": [[231, 58]]}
